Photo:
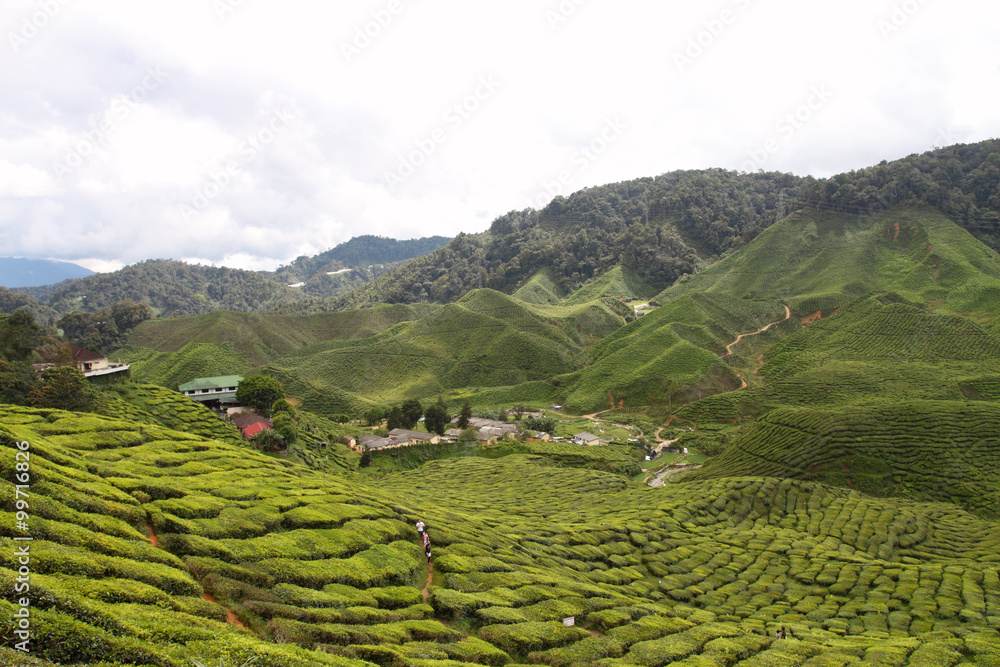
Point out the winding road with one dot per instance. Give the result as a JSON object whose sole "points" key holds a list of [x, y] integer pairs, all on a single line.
{"points": [[729, 348]]}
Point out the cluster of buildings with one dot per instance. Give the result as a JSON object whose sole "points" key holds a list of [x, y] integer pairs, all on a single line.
{"points": [[219, 393]]}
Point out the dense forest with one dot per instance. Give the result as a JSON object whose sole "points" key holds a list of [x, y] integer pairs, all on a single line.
{"points": [[171, 288], [660, 228], [664, 227], [961, 181], [361, 252]]}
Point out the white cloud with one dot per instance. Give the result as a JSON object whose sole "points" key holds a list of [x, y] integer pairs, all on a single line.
{"points": [[321, 180]]}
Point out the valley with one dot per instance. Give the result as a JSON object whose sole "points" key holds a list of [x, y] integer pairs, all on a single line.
{"points": [[830, 385]]}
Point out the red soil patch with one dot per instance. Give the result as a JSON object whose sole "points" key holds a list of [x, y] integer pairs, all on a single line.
{"points": [[815, 317], [230, 616], [153, 539]]}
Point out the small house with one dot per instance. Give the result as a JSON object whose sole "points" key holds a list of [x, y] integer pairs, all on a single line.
{"points": [[588, 439], [216, 390], [406, 437], [253, 429]]}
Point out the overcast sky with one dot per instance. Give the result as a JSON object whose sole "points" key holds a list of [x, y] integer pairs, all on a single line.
{"points": [[247, 132]]}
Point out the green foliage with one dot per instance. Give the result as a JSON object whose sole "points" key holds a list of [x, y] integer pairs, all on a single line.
{"points": [[63, 388], [19, 336], [260, 392], [464, 415], [412, 412], [106, 330]]}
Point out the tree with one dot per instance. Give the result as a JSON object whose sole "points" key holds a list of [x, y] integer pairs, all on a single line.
{"points": [[19, 336], [269, 440], [63, 388], [366, 459], [436, 419], [543, 424], [375, 416], [468, 435], [285, 426], [465, 415], [412, 412], [283, 406], [395, 419], [260, 392], [17, 381]]}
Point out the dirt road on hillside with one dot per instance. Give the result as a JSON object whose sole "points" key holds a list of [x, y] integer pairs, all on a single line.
{"points": [[729, 348]]}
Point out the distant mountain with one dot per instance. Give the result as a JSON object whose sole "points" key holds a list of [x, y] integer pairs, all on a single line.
{"points": [[177, 289], [171, 288], [359, 252], [19, 272]]}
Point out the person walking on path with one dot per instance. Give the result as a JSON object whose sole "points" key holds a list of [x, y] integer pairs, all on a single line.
{"points": [[420, 528], [427, 552], [427, 539]]}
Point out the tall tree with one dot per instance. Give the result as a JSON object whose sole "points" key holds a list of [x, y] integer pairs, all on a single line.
{"points": [[63, 388], [260, 392], [412, 412], [436, 418], [465, 415], [19, 336], [395, 419]]}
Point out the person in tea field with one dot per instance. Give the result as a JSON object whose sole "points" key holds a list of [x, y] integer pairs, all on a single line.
{"points": [[420, 529], [782, 632], [427, 539], [427, 552]]}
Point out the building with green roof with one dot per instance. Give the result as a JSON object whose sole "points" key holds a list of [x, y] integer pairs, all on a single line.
{"points": [[221, 390]]}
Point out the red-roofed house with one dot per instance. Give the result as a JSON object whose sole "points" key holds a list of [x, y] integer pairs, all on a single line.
{"points": [[250, 431], [90, 363]]}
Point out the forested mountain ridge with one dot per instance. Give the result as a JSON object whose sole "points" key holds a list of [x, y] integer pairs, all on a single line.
{"points": [[678, 223], [178, 289], [658, 228], [171, 288], [360, 252]]}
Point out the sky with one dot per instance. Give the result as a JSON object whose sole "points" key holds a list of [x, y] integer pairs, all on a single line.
{"points": [[245, 133]]}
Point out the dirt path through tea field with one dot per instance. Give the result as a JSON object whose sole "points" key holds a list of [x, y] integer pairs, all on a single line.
{"points": [[230, 616], [426, 592], [729, 348]]}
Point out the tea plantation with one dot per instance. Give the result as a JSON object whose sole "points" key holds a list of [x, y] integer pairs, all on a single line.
{"points": [[322, 569]]}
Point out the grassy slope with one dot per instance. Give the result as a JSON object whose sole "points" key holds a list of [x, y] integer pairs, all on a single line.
{"points": [[702, 574], [816, 261], [877, 397], [166, 350]]}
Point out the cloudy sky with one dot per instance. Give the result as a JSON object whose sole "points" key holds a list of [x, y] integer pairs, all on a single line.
{"points": [[247, 132]]}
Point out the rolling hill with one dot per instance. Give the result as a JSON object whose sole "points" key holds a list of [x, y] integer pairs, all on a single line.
{"points": [[157, 547]]}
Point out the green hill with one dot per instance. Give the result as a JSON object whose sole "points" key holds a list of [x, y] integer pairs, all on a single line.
{"points": [[876, 397], [323, 570], [487, 340], [542, 289], [821, 261], [171, 352], [618, 283]]}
